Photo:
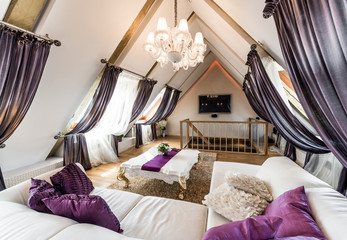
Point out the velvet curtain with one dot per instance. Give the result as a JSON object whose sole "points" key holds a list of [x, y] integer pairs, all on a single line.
{"points": [[172, 105], [142, 97], [75, 146], [22, 61], [2, 181], [313, 40], [158, 116], [253, 98], [280, 116]]}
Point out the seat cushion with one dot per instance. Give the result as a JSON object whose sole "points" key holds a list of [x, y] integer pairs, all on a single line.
{"points": [[89, 232], [278, 172], [159, 218], [17, 221], [120, 202]]}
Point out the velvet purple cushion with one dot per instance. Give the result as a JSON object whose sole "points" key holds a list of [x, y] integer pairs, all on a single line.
{"points": [[84, 209], [293, 207], [39, 190], [261, 227], [72, 180]]}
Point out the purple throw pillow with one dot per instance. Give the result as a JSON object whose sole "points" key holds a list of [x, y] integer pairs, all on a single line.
{"points": [[293, 207], [39, 190], [84, 209], [72, 180], [261, 227]]}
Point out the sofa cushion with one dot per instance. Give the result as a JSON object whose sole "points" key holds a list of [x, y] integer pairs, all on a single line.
{"points": [[249, 184], [160, 218], [234, 204], [39, 190], [72, 180], [261, 227], [84, 209], [293, 207], [329, 209], [89, 232], [219, 169], [17, 221], [120, 202], [278, 174]]}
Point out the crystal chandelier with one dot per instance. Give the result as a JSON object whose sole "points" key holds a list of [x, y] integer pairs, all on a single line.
{"points": [[175, 45]]}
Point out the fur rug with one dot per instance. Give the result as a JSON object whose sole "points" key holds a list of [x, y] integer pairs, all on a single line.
{"points": [[198, 185]]}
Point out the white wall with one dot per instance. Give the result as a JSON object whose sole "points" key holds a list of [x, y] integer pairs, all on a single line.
{"points": [[214, 81], [89, 30]]}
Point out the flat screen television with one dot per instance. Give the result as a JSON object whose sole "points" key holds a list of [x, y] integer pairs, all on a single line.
{"points": [[214, 104]]}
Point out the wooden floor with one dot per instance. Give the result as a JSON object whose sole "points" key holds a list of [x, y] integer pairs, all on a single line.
{"points": [[105, 175]]}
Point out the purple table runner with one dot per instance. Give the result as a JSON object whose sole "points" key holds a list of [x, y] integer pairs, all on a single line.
{"points": [[159, 161]]}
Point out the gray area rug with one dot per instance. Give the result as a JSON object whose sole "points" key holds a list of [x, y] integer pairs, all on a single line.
{"points": [[198, 185]]}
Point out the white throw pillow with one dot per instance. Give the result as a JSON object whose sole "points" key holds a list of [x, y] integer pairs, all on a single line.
{"points": [[235, 204], [249, 184]]}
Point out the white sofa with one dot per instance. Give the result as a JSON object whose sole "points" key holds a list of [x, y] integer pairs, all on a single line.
{"points": [[140, 217], [281, 174], [159, 218]]}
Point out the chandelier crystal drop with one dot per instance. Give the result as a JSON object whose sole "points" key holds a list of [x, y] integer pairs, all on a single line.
{"points": [[175, 45]]}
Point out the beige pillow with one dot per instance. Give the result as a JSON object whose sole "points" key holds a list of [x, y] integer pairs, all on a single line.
{"points": [[234, 204], [249, 184]]}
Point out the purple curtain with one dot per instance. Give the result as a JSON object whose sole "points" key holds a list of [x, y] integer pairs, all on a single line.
{"points": [[172, 105], [290, 151], [156, 117], [253, 98], [142, 97], [75, 146], [314, 47], [280, 116], [2, 181], [313, 40], [22, 61]]}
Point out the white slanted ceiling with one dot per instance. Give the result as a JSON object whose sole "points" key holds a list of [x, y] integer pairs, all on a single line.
{"points": [[90, 30]]}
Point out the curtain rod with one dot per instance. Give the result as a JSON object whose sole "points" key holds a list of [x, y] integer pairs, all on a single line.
{"points": [[55, 42], [103, 60], [173, 87]]}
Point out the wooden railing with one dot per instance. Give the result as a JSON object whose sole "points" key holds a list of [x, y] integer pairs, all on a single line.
{"points": [[242, 137]]}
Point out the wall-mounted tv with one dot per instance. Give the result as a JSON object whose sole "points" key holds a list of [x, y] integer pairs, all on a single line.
{"points": [[214, 104]]}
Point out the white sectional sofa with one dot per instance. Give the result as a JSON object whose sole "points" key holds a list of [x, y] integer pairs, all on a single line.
{"points": [[159, 218], [140, 217], [281, 174]]}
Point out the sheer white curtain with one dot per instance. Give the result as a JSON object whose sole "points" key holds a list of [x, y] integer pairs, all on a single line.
{"points": [[114, 121], [326, 167], [147, 135]]}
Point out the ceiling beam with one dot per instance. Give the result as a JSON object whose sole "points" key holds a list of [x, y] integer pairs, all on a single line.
{"points": [[138, 25]]}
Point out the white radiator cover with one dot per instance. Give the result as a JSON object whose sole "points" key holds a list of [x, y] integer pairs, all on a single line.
{"points": [[22, 174]]}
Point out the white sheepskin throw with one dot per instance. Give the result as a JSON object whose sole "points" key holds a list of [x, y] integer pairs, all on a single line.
{"points": [[249, 184], [234, 204]]}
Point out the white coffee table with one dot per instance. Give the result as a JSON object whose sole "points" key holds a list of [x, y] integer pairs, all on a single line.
{"points": [[175, 170]]}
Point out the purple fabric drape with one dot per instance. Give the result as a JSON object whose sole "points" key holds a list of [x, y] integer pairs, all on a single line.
{"points": [[22, 61], [253, 99], [2, 181], [172, 105], [158, 116], [280, 116], [313, 40], [290, 151], [142, 97], [76, 150]]}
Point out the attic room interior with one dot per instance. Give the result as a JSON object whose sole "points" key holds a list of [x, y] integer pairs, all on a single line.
{"points": [[175, 119]]}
